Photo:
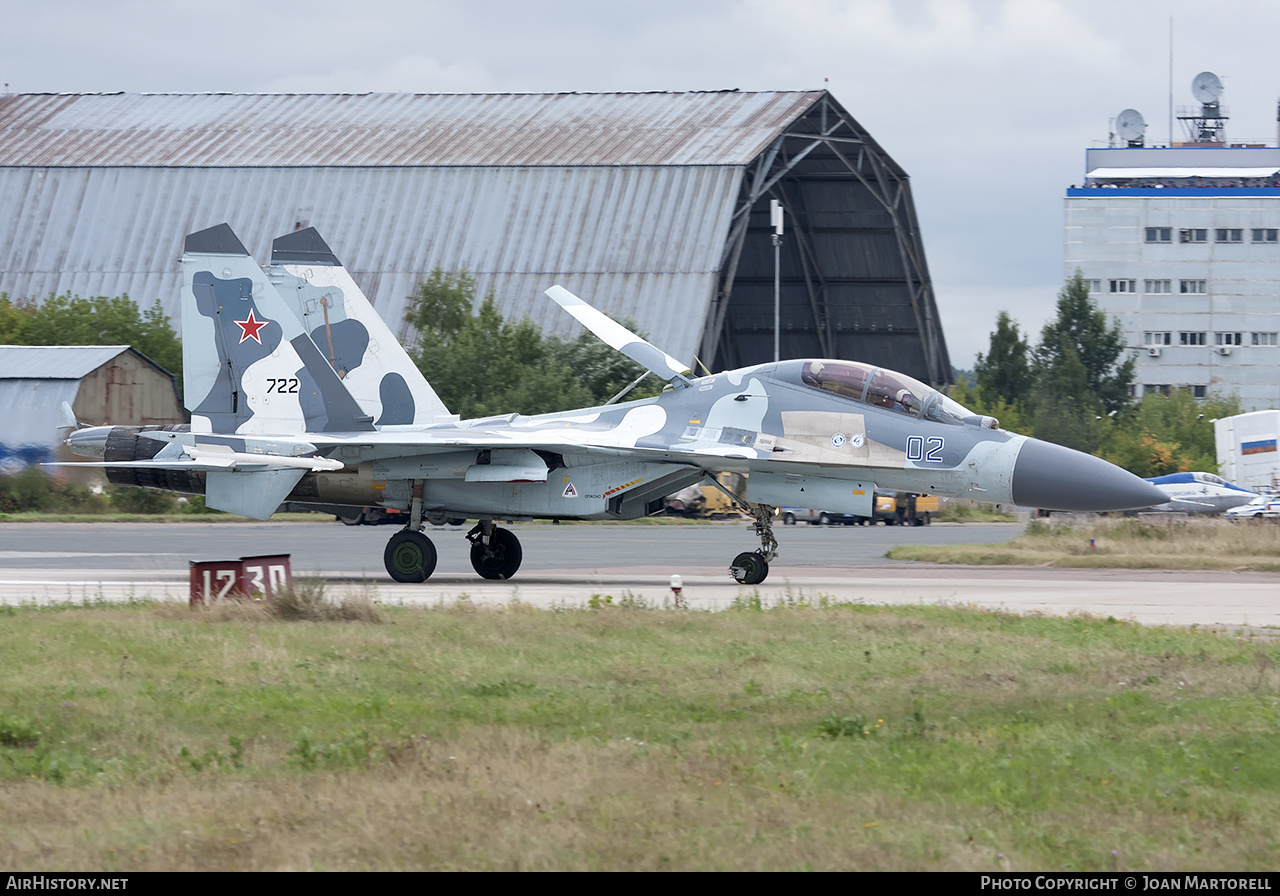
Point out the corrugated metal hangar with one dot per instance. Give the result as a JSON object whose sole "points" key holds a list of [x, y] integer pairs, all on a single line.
{"points": [[649, 205], [101, 383]]}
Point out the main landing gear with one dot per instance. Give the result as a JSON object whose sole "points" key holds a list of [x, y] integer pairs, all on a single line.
{"points": [[411, 557], [495, 553], [752, 567]]}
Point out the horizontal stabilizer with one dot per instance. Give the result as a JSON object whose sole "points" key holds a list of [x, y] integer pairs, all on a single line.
{"points": [[615, 335], [257, 494]]}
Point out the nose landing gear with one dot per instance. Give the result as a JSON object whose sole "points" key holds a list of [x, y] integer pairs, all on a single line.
{"points": [[752, 567]]}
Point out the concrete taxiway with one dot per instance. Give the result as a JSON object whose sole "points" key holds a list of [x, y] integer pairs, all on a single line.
{"points": [[568, 566]]}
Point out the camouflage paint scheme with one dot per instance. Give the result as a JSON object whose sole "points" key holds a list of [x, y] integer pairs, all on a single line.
{"points": [[344, 325], [305, 394]]}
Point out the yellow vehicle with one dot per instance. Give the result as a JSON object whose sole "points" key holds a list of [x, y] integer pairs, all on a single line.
{"points": [[716, 503], [706, 500], [903, 509]]}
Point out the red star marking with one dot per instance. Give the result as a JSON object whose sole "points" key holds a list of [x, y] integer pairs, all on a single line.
{"points": [[249, 328]]}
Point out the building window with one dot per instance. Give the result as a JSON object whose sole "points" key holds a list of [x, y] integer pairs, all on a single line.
{"points": [[1192, 287], [1186, 338], [1228, 339], [1159, 234], [1157, 287], [1265, 234], [1124, 285], [1157, 389], [1264, 338], [1094, 285], [1152, 337], [1193, 235], [1198, 391], [1228, 235]]}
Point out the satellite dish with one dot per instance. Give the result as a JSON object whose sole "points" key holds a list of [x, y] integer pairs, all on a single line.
{"points": [[1129, 125], [1206, 87]]}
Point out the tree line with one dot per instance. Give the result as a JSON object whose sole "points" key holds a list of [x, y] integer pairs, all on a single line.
{"points": [[480, 364], [1074, 387], [72, 320]]}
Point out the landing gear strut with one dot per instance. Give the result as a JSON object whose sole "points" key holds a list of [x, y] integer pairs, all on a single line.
{"points": [[410, 556], [752, 567], [495, 553]]}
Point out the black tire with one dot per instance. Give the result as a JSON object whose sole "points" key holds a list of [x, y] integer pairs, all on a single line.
{"points": [[410, 557], [352, 520], [500, 559], [824, 520], [789, 519], [749, 568]]}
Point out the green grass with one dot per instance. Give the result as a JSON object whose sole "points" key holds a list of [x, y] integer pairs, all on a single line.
{"points": [[808, 736], [1153, 542], [969, 512]]}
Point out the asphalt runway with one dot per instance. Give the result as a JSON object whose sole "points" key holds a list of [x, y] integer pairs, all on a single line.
{"points": [[567, 565]]}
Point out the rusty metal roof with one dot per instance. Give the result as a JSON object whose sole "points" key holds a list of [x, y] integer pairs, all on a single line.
{"points": [[54, 362], [640, 242], [634, 201], [223, 130]]}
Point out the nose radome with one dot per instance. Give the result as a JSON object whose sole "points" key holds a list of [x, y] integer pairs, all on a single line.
{"points": [[1056, 478]]}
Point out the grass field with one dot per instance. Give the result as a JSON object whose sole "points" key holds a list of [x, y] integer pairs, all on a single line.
{"points": [[1152, 542], [623, 737]]}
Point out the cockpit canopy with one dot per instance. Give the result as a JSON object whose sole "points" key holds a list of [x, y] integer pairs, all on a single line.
{"points": [[883, 388]]}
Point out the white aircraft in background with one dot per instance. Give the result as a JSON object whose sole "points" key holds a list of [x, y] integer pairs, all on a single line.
{"points": [[1198, 493]]}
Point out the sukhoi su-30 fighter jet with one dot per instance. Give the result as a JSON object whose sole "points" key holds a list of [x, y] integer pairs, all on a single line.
{"points": [[299, 392]]}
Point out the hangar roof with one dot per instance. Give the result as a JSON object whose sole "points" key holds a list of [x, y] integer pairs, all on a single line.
{"points": [[653, 206], [217, 130], [54, 362]]}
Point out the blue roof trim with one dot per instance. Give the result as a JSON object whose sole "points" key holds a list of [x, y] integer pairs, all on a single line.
{"points": [[1170, 192]]}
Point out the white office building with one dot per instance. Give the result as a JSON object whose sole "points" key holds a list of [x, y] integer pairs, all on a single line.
{"points": [[1182, 245]]}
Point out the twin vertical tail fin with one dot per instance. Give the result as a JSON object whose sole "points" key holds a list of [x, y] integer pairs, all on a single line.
{"points": [[353, 339], [248, 365]]}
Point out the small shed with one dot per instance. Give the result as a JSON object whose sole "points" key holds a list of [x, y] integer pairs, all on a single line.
{"points": [[102, 383]]}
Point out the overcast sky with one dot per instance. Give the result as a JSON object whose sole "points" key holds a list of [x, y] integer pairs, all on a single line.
{"points": [[988, 105]]}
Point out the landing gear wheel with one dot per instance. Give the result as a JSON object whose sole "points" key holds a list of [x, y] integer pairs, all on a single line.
{"points": [[410, 556], [500, 558], [749, 568]]}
